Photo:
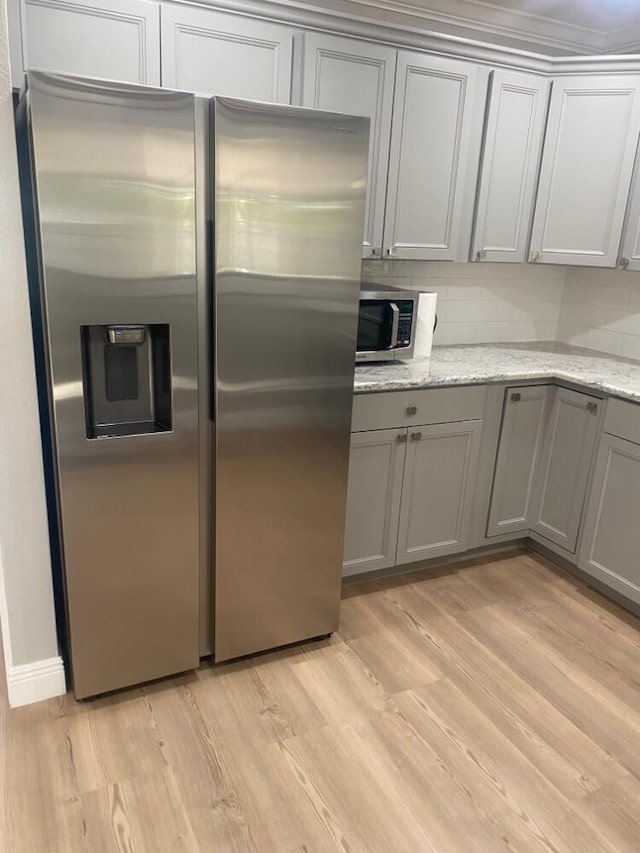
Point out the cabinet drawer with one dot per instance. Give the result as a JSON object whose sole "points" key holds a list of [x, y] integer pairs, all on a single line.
{"points": [[623, 419], [431, 405]]}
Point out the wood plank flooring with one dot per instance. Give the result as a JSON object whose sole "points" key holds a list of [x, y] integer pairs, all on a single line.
{"points": [[490, 707]]}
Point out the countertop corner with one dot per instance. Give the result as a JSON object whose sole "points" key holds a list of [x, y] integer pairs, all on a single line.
{"points": [[475, 364]]}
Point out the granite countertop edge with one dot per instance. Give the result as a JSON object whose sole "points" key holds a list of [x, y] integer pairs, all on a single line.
{"points": [[505, 363]]}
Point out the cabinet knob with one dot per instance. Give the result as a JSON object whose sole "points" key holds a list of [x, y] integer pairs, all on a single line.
{"points": [[535, 256], [412, 410], [391, 253], [592, 407], [516, 396], [624, 263], [401, 438], [416, 436], [481, 255]]}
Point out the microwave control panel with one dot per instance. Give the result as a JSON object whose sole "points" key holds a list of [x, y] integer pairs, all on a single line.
{"points": [[405, 324]]}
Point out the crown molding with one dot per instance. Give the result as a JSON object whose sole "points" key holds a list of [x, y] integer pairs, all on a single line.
{"points": [[604, 63], [417, 37], [486, 17], [402, 35], [453, 18]]}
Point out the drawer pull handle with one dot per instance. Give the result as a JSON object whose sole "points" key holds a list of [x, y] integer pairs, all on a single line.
{"points": [[412, 410], [416, 436], [401, 438], [516, 396], [592, 407]]}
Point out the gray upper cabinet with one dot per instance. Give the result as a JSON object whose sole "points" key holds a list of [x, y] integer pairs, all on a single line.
{"points": [[431, 144], [109, 39], [509, 168], [376, 463], [214, 53], [589, 150], [521, 437], [563, 472], [437, 491], [356, 77]]}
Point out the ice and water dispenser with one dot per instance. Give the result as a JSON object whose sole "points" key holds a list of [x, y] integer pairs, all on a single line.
{"points": [[127, 379]]}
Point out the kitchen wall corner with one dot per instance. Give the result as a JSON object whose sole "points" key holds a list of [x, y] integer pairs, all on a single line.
{"points": [[601, 310]]}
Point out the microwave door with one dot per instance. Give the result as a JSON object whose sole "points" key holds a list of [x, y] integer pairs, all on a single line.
{"points": [[378, 325]]}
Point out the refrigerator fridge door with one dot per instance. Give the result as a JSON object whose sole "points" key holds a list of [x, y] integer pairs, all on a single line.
{"points": [[113, 176], [289, 188]]}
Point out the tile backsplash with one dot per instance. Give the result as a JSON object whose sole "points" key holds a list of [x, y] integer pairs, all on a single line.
{"points": [[482, 303], [490, 303], [601, 310]]}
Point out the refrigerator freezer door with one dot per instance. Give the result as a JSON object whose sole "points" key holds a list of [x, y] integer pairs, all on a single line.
{"points": [[289, 206], [115, 184]]}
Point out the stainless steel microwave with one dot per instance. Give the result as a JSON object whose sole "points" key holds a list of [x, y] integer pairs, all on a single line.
{"points": [[386, 323]]}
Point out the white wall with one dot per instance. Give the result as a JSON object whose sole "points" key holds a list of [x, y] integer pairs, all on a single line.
{"points": [[482, 303], [601, 310], [33, 666]]}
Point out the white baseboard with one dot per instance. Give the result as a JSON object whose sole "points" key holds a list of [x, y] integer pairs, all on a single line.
{"points": [[32, 682]]}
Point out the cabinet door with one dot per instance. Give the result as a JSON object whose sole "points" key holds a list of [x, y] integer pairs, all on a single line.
{"points": [[355, 77], [109, 39], [561, 479], [213, 53], [509, 169], [591, 140], [437, 491], [519, 448], [430, 150], [611, 543], [376, 463]]}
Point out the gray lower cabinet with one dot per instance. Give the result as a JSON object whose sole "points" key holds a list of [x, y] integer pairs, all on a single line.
{"points": [[610, 549], [519, 448], [563, 472], [410, 493], [376, 466], [437, 490]]}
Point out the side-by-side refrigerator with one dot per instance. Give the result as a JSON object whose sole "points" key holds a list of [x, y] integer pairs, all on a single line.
{"points": [[194, 269]]}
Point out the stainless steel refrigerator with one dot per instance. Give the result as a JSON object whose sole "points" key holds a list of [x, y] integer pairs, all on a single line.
{"points": [[289, 190], [194, 267]]}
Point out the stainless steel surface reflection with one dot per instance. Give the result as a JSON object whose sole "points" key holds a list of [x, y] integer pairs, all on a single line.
{"points": [[115, 183], [289, 205]]}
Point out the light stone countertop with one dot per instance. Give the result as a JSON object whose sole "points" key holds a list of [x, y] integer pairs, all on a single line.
{"points": [[489, 363]]}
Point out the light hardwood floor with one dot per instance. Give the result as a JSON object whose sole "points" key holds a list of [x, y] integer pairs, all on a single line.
{"points": [[492, 707]]}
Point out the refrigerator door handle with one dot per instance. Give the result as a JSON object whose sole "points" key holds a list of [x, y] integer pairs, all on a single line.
{"points": [[210, 253], [395, 323], [211, 279]]}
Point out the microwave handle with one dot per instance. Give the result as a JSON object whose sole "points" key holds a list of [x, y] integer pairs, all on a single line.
{"points": [[395, 323]]}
